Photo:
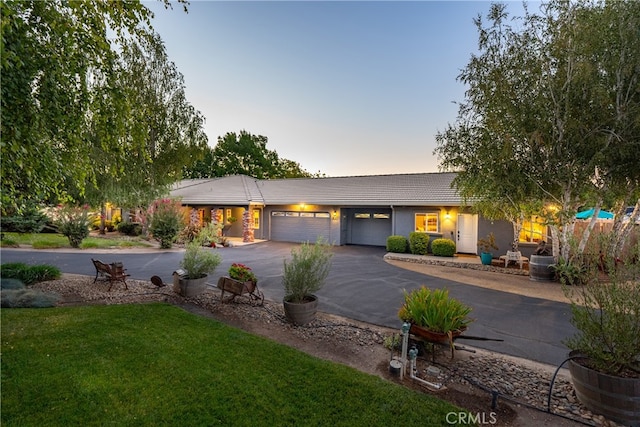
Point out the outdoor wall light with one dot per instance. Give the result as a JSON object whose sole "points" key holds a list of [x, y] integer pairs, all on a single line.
{"points": [[447, 215], [301, 206], [334, 214]]}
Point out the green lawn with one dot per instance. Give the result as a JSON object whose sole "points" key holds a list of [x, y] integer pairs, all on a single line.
{"points": [[155, 364], [53, 241]]}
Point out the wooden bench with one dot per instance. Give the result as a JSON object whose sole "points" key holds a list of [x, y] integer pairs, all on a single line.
{"points": [[114, 272]]}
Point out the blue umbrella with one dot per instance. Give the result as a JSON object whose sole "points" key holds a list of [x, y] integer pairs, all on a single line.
{"points": [[589, 213]]}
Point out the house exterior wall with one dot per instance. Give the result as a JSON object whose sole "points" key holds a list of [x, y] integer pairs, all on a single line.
{"points": [[404, 221]]}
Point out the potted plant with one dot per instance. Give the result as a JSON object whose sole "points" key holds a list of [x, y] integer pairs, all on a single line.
{"points": [[605, 352], [485, 246], [240, 280], [434, 315], [303, 275], [198, 262]]}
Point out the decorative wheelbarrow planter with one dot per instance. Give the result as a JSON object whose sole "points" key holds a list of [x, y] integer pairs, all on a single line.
{"points": [[238, 288], [436, 337]]}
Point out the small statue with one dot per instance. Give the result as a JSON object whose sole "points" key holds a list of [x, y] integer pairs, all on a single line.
{"points": [[542, 249]]}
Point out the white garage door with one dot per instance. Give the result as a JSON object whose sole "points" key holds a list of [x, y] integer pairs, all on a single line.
{"points": [[300, 227]]}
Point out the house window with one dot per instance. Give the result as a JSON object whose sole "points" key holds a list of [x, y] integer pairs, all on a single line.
{"points": [[323, 215], [381, 216], [427, 222], [256, 219], [533, 231], [362, 215]]}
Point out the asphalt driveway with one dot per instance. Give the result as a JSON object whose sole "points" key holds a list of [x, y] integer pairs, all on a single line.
{"points": [[361, 286]]}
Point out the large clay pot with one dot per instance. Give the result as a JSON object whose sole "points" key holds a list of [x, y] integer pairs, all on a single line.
{"points": [[617, 398], [540, 268], [301, 313], [191, 287]]}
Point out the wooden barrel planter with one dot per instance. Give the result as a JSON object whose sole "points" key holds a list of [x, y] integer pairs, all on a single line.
{"points": [[540, 268], [189, 288], [303, 312], [616, 398]]}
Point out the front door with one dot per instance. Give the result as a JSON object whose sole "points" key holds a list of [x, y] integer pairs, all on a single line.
{"points": [[467, 235]]}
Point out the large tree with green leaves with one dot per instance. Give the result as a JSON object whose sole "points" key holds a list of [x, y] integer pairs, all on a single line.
{"points": [[245, 154], [59, 62], [551, 113]]}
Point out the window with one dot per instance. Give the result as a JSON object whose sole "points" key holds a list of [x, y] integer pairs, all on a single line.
{"points": [[323, 215], [427, 222], [306, 214], [533, 231], [362, 215], [381, 216]]}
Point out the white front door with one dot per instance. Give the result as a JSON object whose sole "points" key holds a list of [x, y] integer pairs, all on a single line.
{"points": [[467, 235]]}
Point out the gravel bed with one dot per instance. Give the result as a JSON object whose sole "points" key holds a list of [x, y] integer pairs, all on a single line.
{"points": [[519, 381]]}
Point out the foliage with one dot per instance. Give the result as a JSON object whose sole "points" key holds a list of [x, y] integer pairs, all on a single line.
{"points": [[242, 273], [550, 113], [443, 247], [187, 352], [434, 310], [571, 272], [392, 342], [28, 298], [244, 154], [605, 313], [488, 243], [29, 274], [199, 261], [189, 232], [130, 228], [74, 222], [397, 244], [11, 283], [28, 220], [418, 243], [165, 218], [307, 270]]}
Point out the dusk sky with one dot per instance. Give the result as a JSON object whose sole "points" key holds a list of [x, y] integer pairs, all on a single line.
{"points": [[343, 88]]}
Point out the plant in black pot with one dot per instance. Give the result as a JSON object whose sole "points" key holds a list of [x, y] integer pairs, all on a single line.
{"points": [[198, 262], [605, 352], [304, 274], [485, 246]]}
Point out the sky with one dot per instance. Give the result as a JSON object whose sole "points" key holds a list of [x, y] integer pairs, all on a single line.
{"points": [[342, 88]]}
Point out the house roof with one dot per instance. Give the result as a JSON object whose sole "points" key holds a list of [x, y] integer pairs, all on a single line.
{"points": [[422, 189]]}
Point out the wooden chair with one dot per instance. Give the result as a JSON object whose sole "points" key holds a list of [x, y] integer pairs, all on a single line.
{"points": [[114, 272]]}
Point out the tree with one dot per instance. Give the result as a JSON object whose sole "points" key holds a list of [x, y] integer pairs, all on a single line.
{"points": [[244, 154], [550, 112], [51, 51]]}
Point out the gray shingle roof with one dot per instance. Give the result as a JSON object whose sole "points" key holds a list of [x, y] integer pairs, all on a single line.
{"points": [[424, 189]]}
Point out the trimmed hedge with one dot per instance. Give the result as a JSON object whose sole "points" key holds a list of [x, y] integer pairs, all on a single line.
{"points": [[130, 228], [397, 244], [419, 243], [443, 247]]}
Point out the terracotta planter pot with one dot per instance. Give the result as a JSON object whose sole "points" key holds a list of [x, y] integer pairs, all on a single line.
{"points": [[301, 313], [617, 398]]}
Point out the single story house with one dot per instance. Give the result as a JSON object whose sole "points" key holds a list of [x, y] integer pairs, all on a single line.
{"points": [[353, 210]]}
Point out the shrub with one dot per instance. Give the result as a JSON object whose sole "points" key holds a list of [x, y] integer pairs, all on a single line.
{"points": [[418, 243], [397, 244], [73, 222], [130, 228], [189, 233], [27, 298], [166, 219], [11, 283], [29, 274], [443, 247], [30, 220], [434, 310], [306, 271], [199, 261]]}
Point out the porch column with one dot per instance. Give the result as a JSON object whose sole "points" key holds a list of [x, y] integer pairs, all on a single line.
{"points": [[247, 226]]}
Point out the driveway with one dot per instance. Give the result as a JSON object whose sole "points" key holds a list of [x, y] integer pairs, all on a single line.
{"points": [[361, 286]]}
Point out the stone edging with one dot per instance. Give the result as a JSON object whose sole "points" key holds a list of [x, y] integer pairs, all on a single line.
{"points": [[418, 259]]}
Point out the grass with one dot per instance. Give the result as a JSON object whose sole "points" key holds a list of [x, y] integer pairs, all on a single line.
{"points": [[54, 241], [155, 364]]}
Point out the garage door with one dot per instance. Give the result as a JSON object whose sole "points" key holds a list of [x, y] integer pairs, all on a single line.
{"points": [[300, 226], [370, 227]]}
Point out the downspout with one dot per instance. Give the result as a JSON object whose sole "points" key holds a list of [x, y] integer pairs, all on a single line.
{"points": [[393, 221]]}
